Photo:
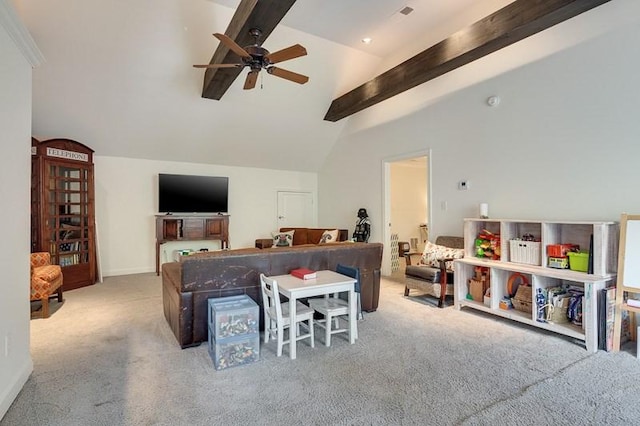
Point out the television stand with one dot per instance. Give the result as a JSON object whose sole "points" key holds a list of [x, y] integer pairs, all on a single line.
{"points": [[185, 227]]}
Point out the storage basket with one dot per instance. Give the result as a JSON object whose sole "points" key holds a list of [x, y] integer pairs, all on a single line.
{"points": [[523, 301], [524, 252]]}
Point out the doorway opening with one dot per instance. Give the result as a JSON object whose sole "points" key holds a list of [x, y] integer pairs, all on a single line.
{"points": [[407, 209]]}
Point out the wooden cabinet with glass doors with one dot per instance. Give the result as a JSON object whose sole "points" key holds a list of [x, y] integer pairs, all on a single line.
{"points": [[62, 208]]}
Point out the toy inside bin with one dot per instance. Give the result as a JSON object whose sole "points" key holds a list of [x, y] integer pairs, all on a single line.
{"points": [[561, 250], [579, 261]]}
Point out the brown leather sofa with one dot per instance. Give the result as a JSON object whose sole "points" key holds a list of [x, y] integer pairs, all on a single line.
{"points": [[186, 285], [303, 236]]}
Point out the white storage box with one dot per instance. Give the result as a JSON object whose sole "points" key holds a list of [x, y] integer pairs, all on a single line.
{"points": [[524, 252]]}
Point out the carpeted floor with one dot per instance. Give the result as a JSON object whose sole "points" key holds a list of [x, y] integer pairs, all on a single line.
{"points": [[107, 357]]}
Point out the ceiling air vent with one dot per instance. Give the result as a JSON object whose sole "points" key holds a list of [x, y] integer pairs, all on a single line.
{"points": [[406, 10]]}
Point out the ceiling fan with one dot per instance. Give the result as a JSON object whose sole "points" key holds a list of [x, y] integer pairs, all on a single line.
{"points": [[257, 58]]}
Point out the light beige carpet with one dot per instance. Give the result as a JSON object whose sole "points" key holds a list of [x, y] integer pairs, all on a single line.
{"points": [[107, 357]]}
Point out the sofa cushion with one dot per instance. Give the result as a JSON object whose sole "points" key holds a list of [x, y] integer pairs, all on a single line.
{"points": [[283, 239], [329, 236], [433, 253], [300, 236]]}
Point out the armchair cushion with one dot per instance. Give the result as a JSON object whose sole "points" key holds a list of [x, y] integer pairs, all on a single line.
{"points": [[423, 272], [47, 272], [434, 253], [40, 259]]}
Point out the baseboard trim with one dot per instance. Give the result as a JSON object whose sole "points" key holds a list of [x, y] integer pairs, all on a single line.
{"points": [[8, 395], [130, 271]]}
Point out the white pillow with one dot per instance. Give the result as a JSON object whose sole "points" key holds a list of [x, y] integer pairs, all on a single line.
{"points": [[433, 253], [329, 237], [282, 239]]}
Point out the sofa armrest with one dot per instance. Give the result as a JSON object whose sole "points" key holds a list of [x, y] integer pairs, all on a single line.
{"points": [[262, 243]]}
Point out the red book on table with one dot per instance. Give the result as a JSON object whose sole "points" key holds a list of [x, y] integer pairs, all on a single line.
{"points": [[303, 273]]}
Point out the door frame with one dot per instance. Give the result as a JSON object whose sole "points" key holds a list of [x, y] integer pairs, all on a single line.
{"points": [[386, 201]]}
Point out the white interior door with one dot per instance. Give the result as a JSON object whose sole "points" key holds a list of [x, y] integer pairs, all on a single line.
{"points": [[295, 209]]}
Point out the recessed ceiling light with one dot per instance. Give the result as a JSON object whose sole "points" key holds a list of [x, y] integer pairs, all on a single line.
{"points": [[367, 40]]}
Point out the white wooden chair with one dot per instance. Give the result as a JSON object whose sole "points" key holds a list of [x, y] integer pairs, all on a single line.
{"points": [[334, 308], [276, 316]]}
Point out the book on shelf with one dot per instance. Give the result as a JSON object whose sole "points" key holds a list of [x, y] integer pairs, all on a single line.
{"points": [[607, 308], [610, 309], [303, 273]]}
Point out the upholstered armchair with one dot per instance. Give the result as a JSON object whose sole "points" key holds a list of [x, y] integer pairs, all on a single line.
{"points": [[433, 273], [46, 279]]}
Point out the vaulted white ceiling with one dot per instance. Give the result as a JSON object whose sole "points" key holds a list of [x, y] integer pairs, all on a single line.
{"points": [[118, 75]]}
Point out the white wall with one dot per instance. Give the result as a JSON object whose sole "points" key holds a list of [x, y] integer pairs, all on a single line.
{"points": [[127, 200], [15, 178], [562, 144]]}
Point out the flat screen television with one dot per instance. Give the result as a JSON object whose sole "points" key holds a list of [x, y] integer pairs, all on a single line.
{"points": [[192, 194]]}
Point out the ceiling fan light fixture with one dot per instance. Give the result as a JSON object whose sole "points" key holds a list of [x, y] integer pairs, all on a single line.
{"points": [[367, 40], [257, 58]]}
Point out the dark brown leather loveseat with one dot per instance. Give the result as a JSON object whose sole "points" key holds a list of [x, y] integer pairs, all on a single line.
{"points": [[303, 236], [186, 285]]}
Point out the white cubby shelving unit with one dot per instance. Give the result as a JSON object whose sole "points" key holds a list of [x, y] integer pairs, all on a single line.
{"points": [[605, 252]]}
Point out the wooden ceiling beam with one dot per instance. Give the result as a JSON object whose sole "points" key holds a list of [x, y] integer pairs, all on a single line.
{"points": [[515, 22], [262, 14]]}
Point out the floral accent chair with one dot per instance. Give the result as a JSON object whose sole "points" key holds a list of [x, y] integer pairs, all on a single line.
{"points": [[46, 279], [433, 273]]}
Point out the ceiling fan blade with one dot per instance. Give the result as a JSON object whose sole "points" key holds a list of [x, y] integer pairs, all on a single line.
{"points": [[226, 40], [219, 66], [250, 82], [285, 54], [288, 75]]}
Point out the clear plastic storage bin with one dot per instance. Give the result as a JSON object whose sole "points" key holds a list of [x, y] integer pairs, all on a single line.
{"points": [[233, 324]]}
